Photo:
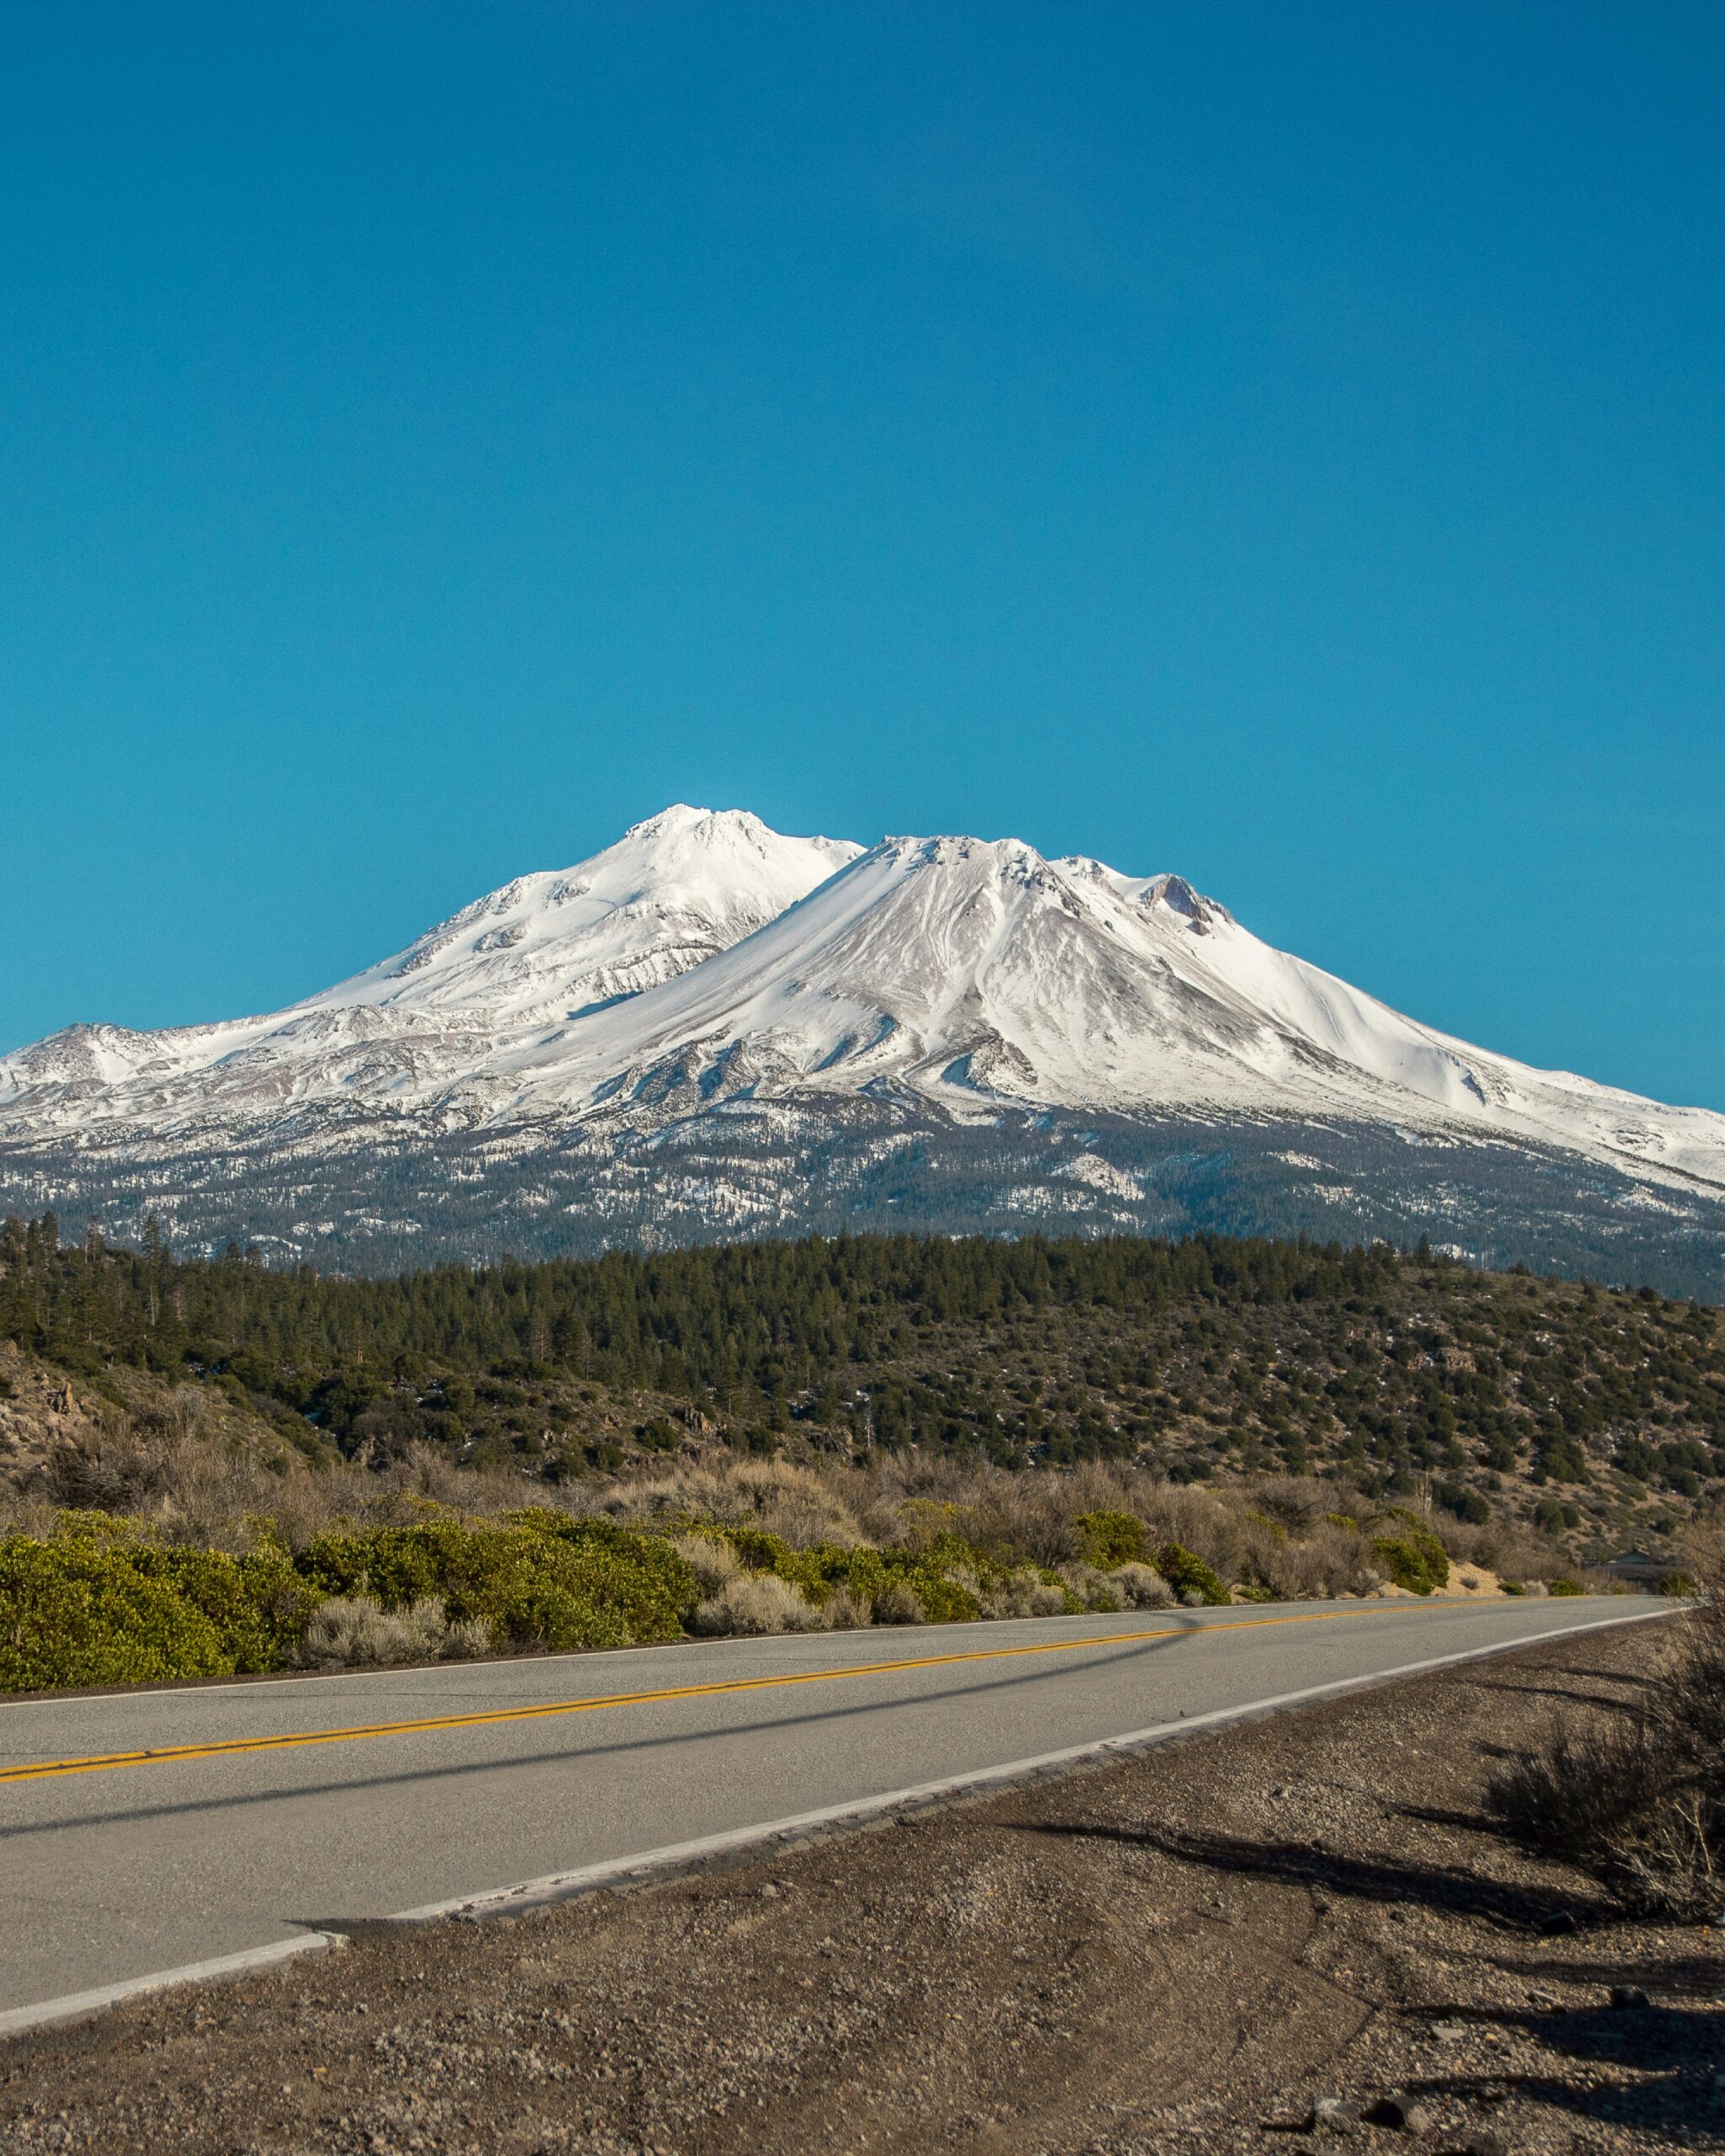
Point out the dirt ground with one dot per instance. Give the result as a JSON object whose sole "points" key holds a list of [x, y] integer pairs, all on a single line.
{"points": [[1185, 1952]]}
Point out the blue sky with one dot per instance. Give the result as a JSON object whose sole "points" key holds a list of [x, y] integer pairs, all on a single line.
{"points": [[1280, 444]]}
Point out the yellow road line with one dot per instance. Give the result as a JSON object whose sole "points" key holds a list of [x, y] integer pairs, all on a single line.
{"points": [[44, 1769]]}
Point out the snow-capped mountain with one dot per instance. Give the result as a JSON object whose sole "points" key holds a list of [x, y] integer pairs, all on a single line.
{"points": [[671, 893], [712, 1028]]}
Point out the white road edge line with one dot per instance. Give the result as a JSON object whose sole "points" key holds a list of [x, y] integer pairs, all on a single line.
{"points": [[77, 2005], [565, 1886]]}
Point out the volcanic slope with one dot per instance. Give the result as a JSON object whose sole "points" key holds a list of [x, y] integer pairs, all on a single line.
{"points": [[961, 967], [671, 893], [712, 1029]]}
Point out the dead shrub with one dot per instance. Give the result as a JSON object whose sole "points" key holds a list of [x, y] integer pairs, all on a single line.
{"points": [[1327, 1560], [713, 1561], [845, 1612], [751, 1605], [355, 1632], [899, 1604], [1095, 1589], [1023, 1517], [1143, 1586], [797, 1504], [1021, 1593], [104, 1470], [1638, 1799]]}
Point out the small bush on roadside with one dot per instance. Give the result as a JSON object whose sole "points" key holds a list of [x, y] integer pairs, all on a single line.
{"points": [[1111, 1539], [754, 1603], [536, 1578], [1145, 1587], [257, 1602], [1411, 1554], [1025, 1592], [1189, 1576], [710, 1558], [1325, 1560], [846, 1612], [899, 1605], [75, 1609], [354, 1632], [1638, 1798], [98, 1603], [946, 1576], [1092, 1589]]}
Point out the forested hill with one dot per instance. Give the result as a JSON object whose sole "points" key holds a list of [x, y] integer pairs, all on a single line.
{"points": [[1402, 1371]]}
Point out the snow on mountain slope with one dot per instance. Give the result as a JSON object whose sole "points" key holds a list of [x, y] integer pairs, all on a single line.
{"points": [[670, 893], [963, 968], [705, 959]]}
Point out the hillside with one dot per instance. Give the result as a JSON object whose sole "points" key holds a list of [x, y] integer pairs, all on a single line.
{"points": [[1504, 1401]]}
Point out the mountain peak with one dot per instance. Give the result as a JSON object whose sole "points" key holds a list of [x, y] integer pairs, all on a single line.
{"points": [[683, 816], [706, 974]]}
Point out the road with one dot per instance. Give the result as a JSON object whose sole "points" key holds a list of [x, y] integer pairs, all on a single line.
{"points": [[292, 1807]]}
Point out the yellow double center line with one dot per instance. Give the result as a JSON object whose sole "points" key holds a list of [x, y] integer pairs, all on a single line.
{"points": [[105, 1762]]}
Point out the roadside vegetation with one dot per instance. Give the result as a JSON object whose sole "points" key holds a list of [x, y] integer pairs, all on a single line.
{"points": [[206, 1468], [232, 1566], [1637, 1796]]}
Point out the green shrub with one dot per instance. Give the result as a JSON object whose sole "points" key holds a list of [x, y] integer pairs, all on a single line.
{"points": [[1411, 1554], [1512, 1587], [1109, 1540], [257, 1603], [1564, 1586], [537, 1579], [78, 1609], [875, 1576], [1188, 1574]]}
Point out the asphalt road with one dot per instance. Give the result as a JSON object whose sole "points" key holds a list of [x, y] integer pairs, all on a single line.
{"points": [[117, 1869]]}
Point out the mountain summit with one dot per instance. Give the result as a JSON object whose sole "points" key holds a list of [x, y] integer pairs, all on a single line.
{"points": [[672, 892], [713, 1028]]}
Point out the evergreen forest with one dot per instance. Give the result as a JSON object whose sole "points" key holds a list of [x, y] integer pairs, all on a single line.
{"points": [[1404, 1373]]}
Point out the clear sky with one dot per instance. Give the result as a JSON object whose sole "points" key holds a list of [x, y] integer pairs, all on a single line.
{"points": [[1278, 443]]}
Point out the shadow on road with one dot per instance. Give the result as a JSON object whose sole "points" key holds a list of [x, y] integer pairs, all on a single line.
{"points": [[456, 1771]]}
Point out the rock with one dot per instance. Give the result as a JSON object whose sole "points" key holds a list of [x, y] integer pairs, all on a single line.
{"points": [[1332, 2111], [1482, 2142], [1406, 2112], [1450, 2032], [1629, 1996], [1556, 1923]]}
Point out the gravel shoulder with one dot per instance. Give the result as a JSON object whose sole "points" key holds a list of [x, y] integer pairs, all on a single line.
{"points": [[1180, 1952]]}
